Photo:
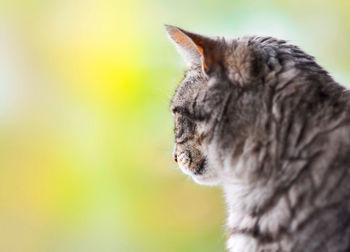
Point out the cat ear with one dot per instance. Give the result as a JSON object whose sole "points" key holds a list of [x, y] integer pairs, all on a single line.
{"points": [[195, 48]]}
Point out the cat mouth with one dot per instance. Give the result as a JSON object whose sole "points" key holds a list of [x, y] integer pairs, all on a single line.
{"points": [[185, 161], [201, 167]]}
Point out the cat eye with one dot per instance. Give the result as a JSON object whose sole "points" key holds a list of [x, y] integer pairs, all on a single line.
{"points": [[181, 111]]}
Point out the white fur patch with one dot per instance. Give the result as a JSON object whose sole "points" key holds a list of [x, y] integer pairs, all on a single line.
{"points": [[241, 243]]}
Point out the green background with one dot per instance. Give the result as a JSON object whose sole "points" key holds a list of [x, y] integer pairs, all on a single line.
{"points": [[85, 129]]}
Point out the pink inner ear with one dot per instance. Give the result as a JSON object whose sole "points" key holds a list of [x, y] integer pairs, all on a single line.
{"points": [[201, 51], [193, 47], [179, 37], [182, 39]]}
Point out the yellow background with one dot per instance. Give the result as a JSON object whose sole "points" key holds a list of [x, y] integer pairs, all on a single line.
{"points": [[85, 129]]}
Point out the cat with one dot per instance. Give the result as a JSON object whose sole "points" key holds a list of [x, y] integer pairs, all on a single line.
{"points": [[260, 118]]}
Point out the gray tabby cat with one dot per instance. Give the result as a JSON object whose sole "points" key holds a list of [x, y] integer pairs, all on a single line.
{"points": [[263, 120]]}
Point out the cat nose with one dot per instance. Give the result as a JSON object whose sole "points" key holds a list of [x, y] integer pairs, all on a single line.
{"points": [[174, 153]]}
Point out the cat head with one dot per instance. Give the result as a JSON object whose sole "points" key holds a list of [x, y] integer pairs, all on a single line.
{"points": [[223, 108]]}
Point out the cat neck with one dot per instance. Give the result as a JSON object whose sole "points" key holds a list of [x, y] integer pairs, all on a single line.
{"points": [[250, 220]]}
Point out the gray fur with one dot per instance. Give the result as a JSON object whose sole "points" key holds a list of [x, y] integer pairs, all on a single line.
{"points": [[272, 128]]}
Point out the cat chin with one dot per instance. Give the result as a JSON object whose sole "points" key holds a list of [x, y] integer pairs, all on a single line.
{"points": [[209, 178], [206, 180]]}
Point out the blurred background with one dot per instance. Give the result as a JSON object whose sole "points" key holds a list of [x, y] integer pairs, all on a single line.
{"points": [[85, 129]]}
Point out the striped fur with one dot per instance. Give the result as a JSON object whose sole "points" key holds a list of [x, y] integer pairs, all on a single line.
{"points": [[272, 128]]}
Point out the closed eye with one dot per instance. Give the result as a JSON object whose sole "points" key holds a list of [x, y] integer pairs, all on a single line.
{"points": [[184, 112], [180, 110]]}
